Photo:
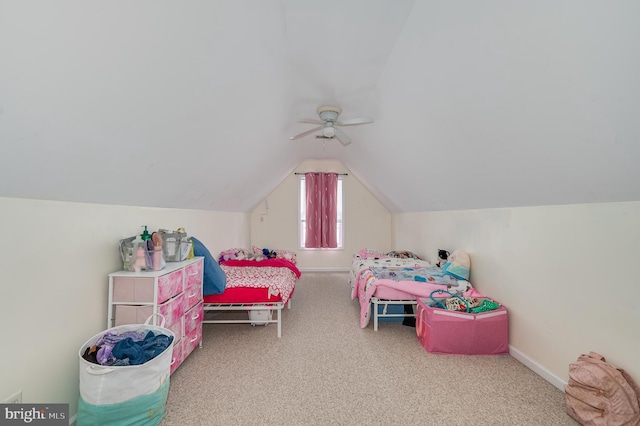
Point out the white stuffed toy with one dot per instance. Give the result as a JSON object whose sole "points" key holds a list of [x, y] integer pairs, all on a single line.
{"points": [[255, 256]]}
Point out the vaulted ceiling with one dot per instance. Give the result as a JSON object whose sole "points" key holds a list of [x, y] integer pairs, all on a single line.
{"points": [[190, 104]]}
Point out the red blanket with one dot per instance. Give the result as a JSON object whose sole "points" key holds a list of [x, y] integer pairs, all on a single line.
{"points": [[277, 262]]}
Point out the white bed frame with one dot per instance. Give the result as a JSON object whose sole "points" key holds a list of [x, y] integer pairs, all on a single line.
{"points": [[226, 307], [386, 302]]}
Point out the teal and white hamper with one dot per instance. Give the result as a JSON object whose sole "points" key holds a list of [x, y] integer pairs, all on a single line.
{"points": [[125, 394]]}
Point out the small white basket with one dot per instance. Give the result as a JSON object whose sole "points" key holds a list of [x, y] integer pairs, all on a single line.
{"points": [[260, 316]]}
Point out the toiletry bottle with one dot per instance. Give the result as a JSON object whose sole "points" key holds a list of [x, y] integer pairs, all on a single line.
{"points": [[139, 260], [157, 251], [145, 234]]}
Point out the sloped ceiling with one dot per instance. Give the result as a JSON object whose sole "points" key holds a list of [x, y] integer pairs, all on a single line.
{"points": [[191, 104]]}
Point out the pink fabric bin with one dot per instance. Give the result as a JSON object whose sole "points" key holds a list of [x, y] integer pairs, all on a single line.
{"points": [[449, 332]]}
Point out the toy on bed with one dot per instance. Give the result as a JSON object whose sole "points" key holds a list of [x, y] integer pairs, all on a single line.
{"points": [[261, 280], [443, 256]]}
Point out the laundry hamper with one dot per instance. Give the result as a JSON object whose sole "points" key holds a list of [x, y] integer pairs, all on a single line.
{"points": [[442, 331], [125, 395]]}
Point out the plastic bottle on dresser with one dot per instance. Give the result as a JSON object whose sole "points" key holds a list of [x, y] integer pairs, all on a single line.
{"points": [[157, 251], [139, 259], [145, 234]]}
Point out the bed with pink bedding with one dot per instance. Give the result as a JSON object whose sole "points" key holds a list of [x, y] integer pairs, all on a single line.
{"points": [[254, 285], [397, 278]]}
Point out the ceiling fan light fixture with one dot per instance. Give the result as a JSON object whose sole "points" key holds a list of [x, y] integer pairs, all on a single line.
{"points": [[329, 126], [329, 132]]}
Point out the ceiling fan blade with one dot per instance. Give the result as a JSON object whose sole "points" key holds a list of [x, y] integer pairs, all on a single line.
{"points": [[310, 121], [303, 134], [355, 121], [342, 136]]}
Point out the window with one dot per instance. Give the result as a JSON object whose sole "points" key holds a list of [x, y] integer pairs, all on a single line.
{"points": [[302, 226]]}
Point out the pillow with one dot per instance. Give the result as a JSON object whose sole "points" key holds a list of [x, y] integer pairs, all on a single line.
{"points": [[214, 279], [368, 253], [404, 254], [289, 255], [458, 265]]}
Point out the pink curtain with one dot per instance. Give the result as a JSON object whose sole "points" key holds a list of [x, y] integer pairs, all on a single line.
{"points": [[322, 210]]}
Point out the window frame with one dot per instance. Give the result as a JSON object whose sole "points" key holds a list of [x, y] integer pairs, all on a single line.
{"points": [[302, 215]]}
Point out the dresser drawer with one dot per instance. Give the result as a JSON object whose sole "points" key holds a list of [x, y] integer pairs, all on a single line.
{"points": [[193, 295], [193, 317], [191, 340], [176, 357], [129, 289], [140, 289], [195, 273], [172, 310], [169, 285], [175, 292]]}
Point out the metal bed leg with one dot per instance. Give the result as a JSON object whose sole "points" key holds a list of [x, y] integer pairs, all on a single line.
{"points": [[375, 315], [385, 314], [279, 323]]}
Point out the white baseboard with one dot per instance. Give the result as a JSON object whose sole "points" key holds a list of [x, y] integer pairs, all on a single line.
{"points": [[518, 355], [326, 269], [537, 368]]}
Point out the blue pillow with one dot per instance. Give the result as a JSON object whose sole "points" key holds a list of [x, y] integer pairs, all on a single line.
{"points": [[215, 280]]}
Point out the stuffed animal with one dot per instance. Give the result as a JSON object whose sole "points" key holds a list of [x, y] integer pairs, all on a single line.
{"points": [[255, 256], [269, 254], [249, 256], [228, 255], [443, 256]]}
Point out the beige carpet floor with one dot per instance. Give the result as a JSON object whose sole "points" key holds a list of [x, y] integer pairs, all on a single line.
{"points": [[326, 370]]}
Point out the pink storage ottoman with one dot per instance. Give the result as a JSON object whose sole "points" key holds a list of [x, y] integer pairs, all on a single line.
{"points": [[450, 332]]}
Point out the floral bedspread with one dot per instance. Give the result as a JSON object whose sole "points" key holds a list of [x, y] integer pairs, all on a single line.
{"points": [[359, 265], [280, 280], [428, 274]]}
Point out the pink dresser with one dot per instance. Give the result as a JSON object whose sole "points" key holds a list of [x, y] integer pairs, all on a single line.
{"points": [[175, 292]]}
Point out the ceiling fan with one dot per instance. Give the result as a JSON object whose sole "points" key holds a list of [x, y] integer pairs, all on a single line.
{"points": [[329, 125]]}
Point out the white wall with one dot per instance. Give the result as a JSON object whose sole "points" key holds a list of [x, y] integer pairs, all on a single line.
{"points": [[567, 274], [54, 259], [367, 222]]}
